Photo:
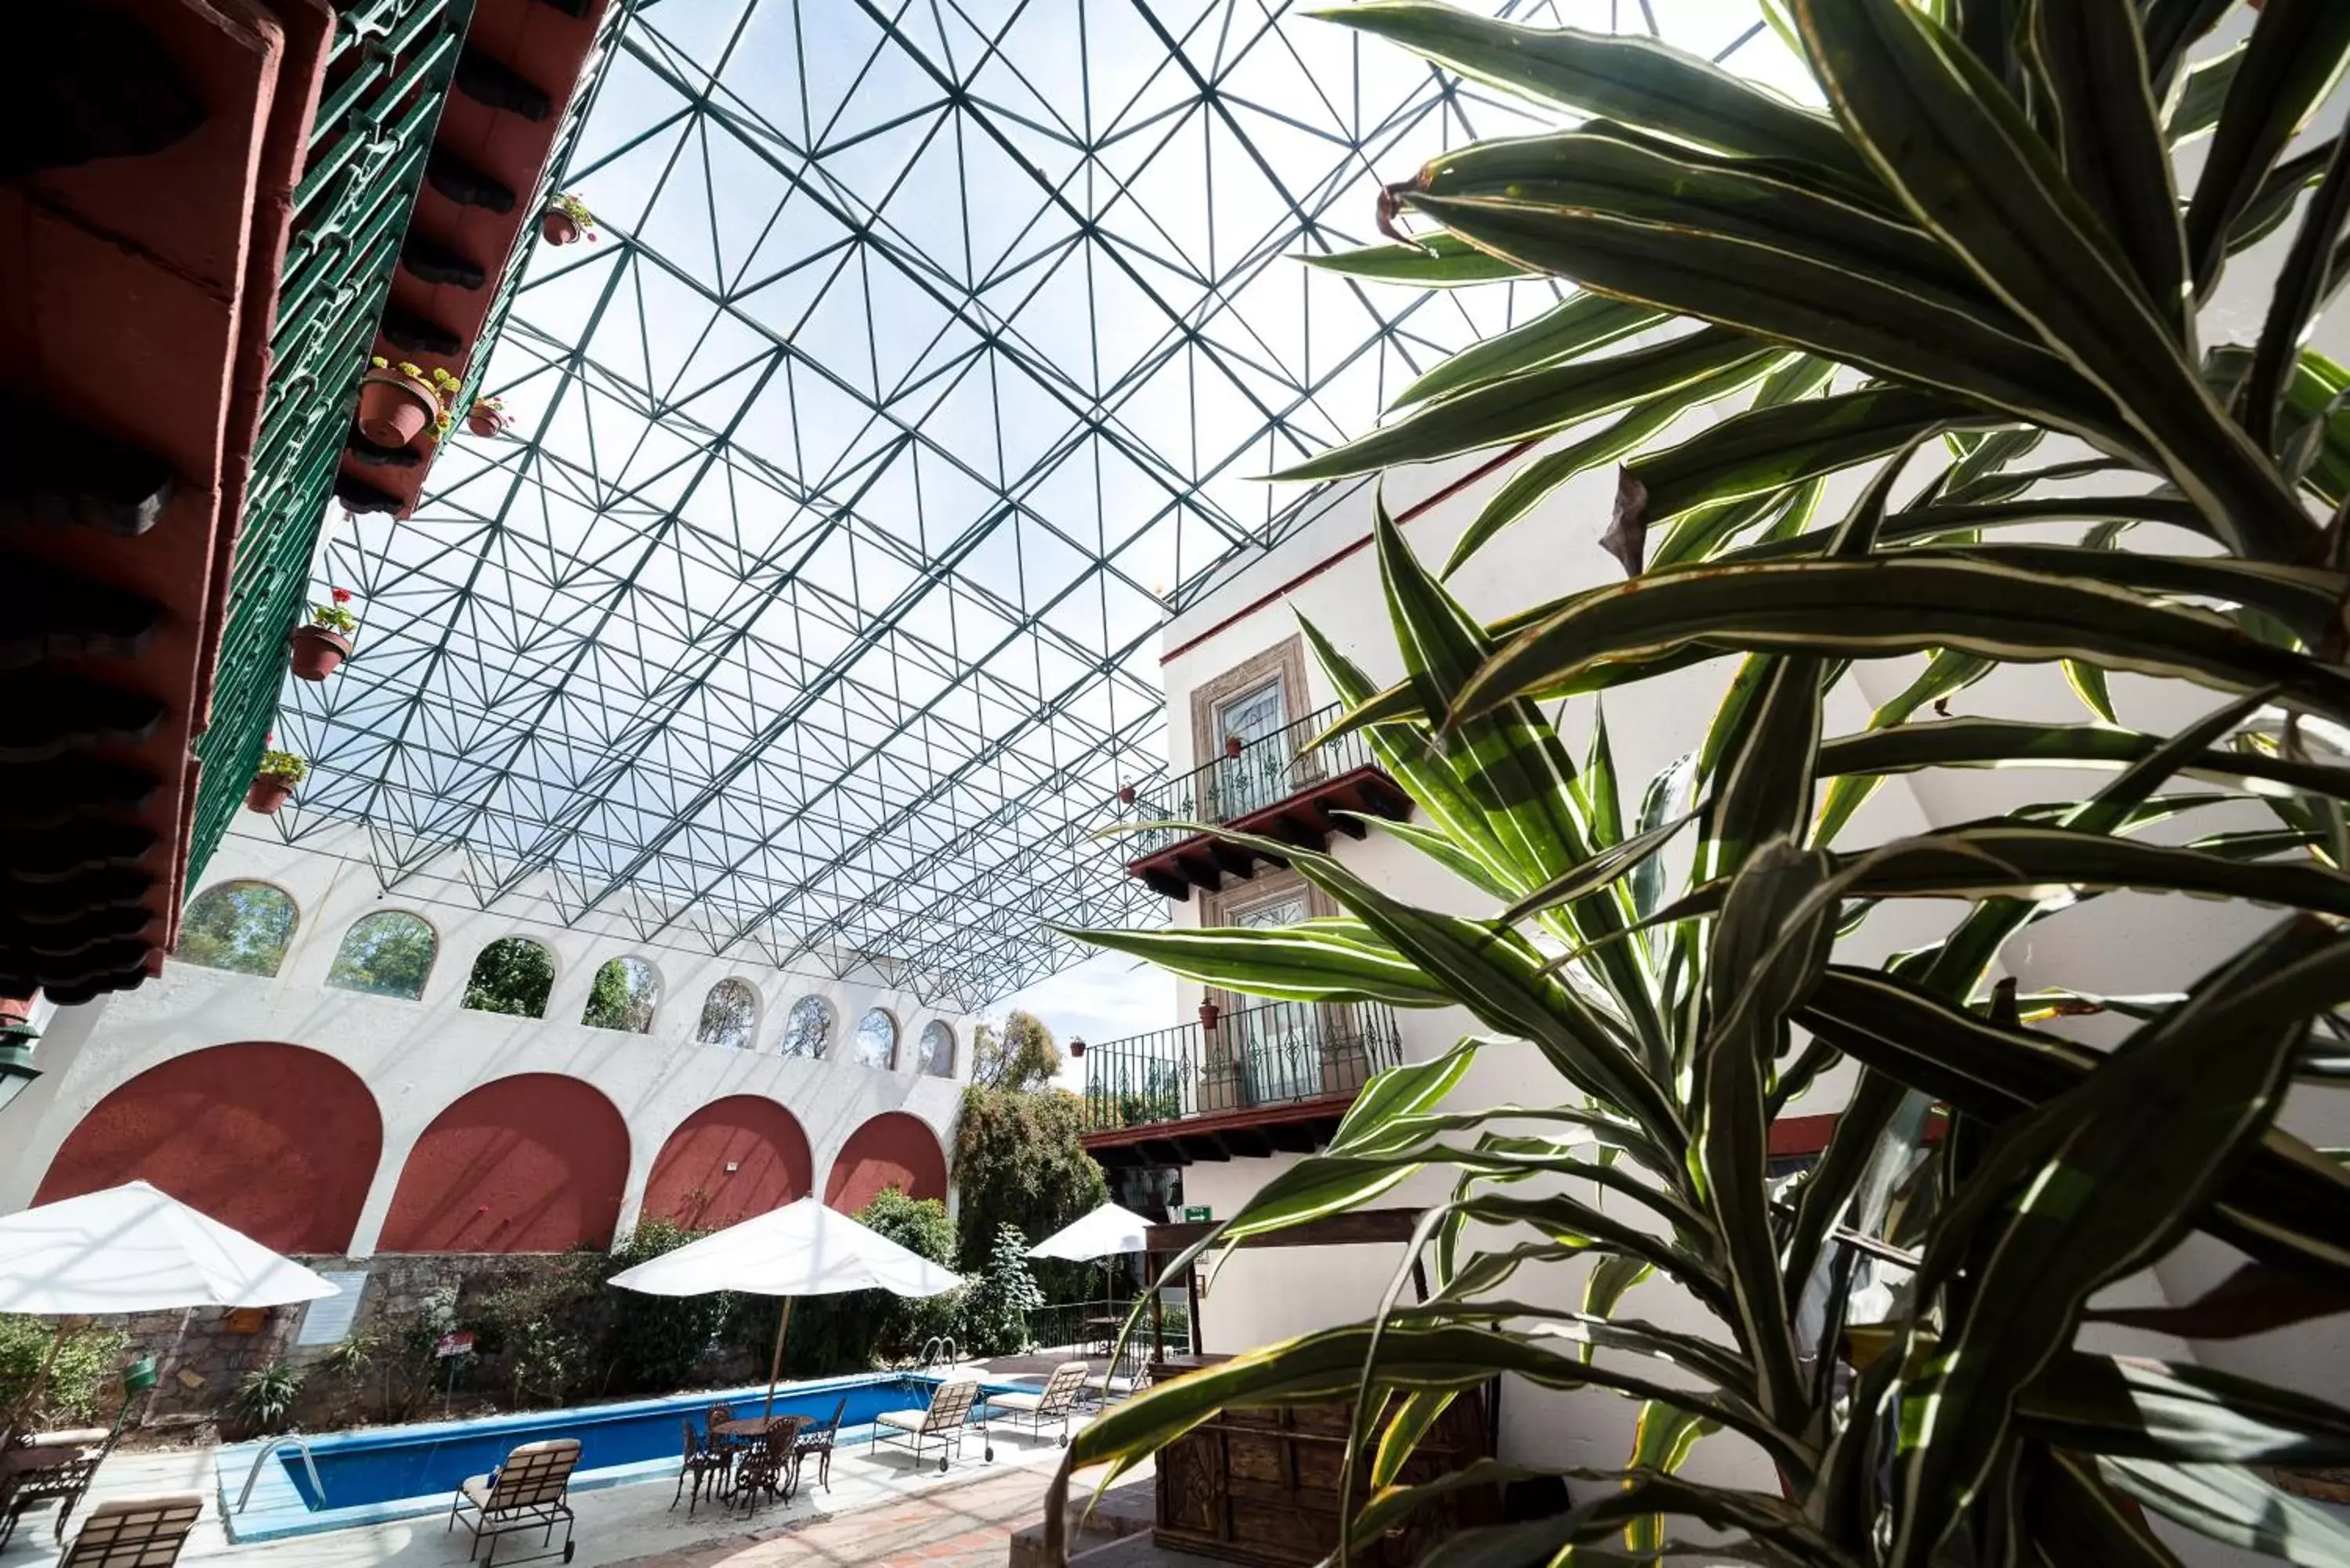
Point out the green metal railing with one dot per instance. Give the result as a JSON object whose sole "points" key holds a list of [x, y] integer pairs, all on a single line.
{"points": [[1280, 1053], [1266, 771], [386, 78], [387, 75]]}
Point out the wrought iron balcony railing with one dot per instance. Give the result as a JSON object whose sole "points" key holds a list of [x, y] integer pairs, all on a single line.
{"points": [[1276, 1054], [1263, 774]]}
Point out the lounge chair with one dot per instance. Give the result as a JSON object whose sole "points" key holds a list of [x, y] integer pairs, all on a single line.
{"points": [[78, 1454], [135, 1533], [1129, 1374], [1056, 1402], [530, 1491], [705, 1465], [815, 1443], [942, 1423]]}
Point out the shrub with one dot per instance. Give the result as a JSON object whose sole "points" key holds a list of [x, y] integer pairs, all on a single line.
{"points": [[84, 1386], [266, 1396], [656, 1342], [997, 1302]]}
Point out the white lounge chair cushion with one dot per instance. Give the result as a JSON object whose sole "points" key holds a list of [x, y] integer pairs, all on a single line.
{"points": [[477, 1490], [904, 1420], [1018, 1401], [72, 1438]]}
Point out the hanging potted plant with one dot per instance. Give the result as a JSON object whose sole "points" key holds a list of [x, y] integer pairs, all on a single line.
{"points": [[397, 402], [320, 648], [274, 781], [488, 417], [567, 221]]}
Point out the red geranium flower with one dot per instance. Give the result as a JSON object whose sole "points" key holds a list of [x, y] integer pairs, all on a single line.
{"points": [[342, 595]]}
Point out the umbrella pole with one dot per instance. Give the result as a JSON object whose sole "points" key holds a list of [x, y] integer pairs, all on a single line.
{"points": [[776, 1365]]}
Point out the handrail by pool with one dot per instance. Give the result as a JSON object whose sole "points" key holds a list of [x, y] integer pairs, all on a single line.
{"points": [[317, 1487], [939, 1350]]}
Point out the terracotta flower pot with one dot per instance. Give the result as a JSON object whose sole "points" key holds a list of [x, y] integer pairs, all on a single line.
{"points": [[1209, 1014], [269, 792], [319, 652], [558, 228], [485, 420], [1232, 745], [394, 409]]}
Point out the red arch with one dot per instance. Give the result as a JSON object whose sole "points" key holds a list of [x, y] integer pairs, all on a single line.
{"points": [[760, 1140], [893, 1149], [279, 1141], [533, 1163]]}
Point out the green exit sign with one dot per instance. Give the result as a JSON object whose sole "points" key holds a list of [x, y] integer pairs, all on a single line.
{"points": [[1196, 1214]]}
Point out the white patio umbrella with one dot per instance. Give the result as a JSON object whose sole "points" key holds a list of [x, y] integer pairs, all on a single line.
{"points": [[1108, 1231], [135, 1248], [803, 1249]]}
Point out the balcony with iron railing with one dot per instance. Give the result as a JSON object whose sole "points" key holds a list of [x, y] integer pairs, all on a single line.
{"points": [[1242, 1081], [1288, 786]]}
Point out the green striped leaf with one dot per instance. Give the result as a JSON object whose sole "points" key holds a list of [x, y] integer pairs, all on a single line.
{"points": [[1946, 137], [2296, 56], [2196, 98], [2234, 1505], [1893, 605], [1622, 76], [1946, 674], [1538, 477], [1574, 327], [1290, 964], [2074, 1517], [1858, 320], [1768, 449], [2113, 150], [2127, 1405], [1438, 261], [2111, 1173], [1534, 403], [2006, 743]]}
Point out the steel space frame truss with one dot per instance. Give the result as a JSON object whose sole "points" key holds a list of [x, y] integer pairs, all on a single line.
{"points": [[925, 358]]}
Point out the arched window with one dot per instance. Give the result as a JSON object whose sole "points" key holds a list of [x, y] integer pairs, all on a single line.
{"points": [[389, 954], [807, 1030], [877, 1041], [513, 975], [730, 1016], [936, 1054], [622, 997], [241, 926]]}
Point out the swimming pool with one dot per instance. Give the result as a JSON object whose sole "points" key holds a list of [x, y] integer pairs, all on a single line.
{"points": [[401, 1472]]}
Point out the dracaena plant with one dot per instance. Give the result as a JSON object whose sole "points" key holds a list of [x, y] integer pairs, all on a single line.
{"points": [[1978, 249]]}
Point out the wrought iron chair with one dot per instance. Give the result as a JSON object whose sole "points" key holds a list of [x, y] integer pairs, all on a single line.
{"points": [[763, 1468], [815, 1443], [23, 1484], [706, 1465]]}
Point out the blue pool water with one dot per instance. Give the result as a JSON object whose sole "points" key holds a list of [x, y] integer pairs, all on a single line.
{"points": [[394, 1472]]}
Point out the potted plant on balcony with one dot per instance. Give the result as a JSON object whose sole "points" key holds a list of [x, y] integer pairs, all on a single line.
{"points": [[397, 402], [567, 221], [274, 781], [488, 417], [320, 648]]}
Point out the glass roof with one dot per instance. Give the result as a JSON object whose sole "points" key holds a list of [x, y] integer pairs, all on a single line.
{"points": [[928, 352]]}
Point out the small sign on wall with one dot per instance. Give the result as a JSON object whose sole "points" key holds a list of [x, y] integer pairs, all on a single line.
{"points": [[458, 1342], [245, 1320], [1196, 1214]]}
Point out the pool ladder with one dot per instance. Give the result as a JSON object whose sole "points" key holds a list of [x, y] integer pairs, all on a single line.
{"points": [[317, 1487], [939, 1350]]}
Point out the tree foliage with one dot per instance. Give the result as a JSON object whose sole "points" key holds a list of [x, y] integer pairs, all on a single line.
{"points": [[1020, 1160], [512, 975], [1977, 253], [1021, 1056], [389, 953], [241, 927], [622, 996]]}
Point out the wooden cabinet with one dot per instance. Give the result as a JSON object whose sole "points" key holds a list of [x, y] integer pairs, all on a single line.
{"points": [[1261, 1487]]}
